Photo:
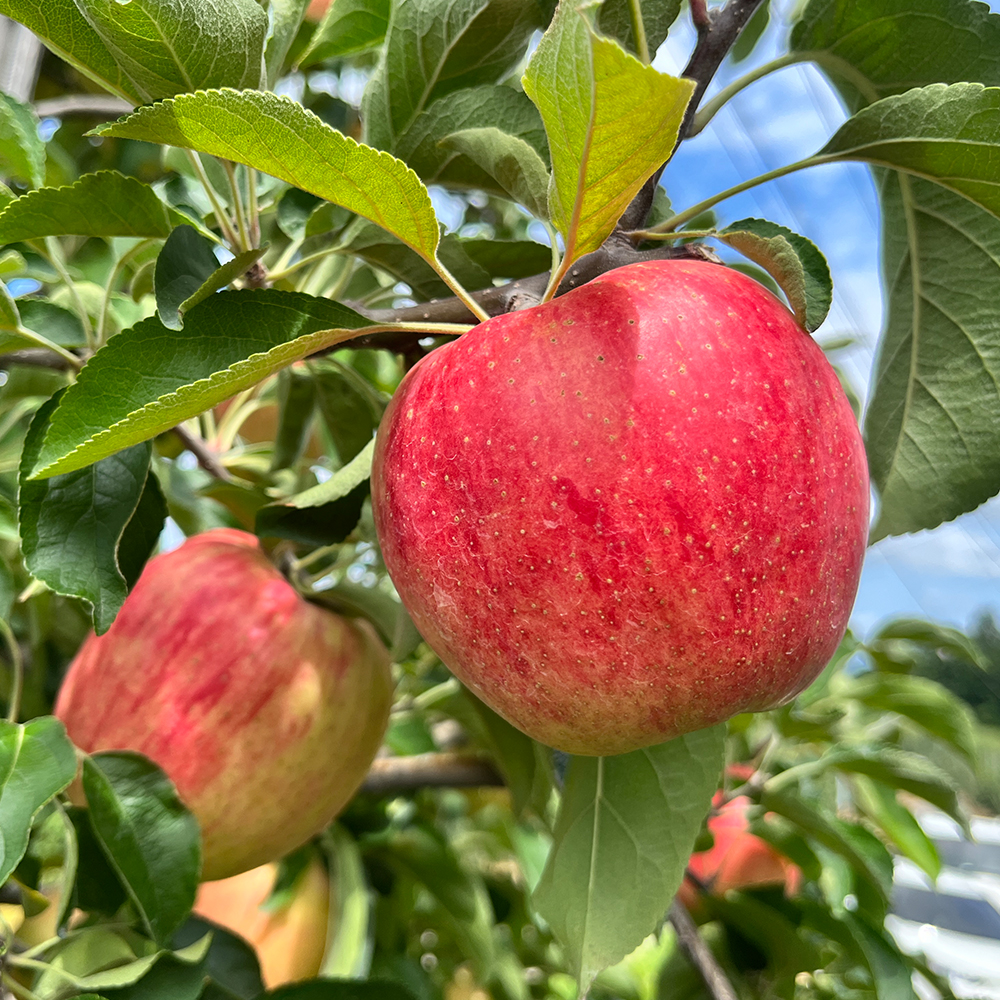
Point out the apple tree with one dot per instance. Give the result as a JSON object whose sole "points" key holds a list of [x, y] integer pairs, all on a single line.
{"points": [[222, 248]]}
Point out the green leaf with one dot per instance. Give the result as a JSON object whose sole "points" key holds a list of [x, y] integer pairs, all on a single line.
{"points": [[286, 17], [10, 317], [64, 30], [891, 973], [71, 525], [794, 262], [510, 259], [475, 107], [625, 831], [526, 766], [55, 324], [751, 34], [142, 532], [187, 272], [515, 166], [147, 834], [923, 701], [231, 965], [434, 49], [296, 403], [614, 19], [103, 204], [349, 938], [37, 761], [337, 506], [348, 26], [281, 138], [128, 392], [168, 47], [933, 424], [610, 121], [879, 802], [946, 134], [22, 152], [105, 960], [874, 48], [350, 407], [170, 978], [384, 251], [904, 636]]}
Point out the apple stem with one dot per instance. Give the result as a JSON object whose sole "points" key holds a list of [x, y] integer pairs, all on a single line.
{"points": [[699, 954], [17, 671]]}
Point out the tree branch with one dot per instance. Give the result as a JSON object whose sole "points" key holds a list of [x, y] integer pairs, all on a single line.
{"points": [[698, 953], [34, 357], [430, 770], [207, 458]]}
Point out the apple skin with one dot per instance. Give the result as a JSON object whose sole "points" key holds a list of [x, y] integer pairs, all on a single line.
{"points": [[264, 710], [629, 513], [289, 941]]}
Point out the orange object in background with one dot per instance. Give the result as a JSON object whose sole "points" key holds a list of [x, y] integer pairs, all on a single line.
{"points": [[737, 859], [290, 940], [316, 9]]}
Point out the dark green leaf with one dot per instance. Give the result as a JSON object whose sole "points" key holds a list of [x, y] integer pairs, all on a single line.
{"points": [[476, 107], [286, 17], [149, 837], [510, 259], [625, 831], [351, 409], [348, 26], [147, 379], [103, 204], [283, 139], [52, 322], [184, 264], [169, 979], [377, 247], [874, 48], [946, 134], [939, 638], [891, 974], [96, 888], [71, 525], [793, 261], [615, 20], [231, 963], [22, 152], [142, 531], [432, 50], [296, 402], [514, 165], [385, 613], [63, 29], [37, 761], [750, 35], [210, 45]]}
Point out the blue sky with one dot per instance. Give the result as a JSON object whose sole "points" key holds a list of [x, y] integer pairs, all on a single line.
{"points": [[949, 574]]}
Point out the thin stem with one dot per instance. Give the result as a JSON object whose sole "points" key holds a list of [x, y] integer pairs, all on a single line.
{"points": [[225, 226], [556, 276], [254, 207], [684, 234], [35, 338], [17, 674], [705, 114], [702, 206], [452, 282], [102, 318], [699, 955], [311, 558], [207, 459], [234, 187], [18, 990], [54, 256], [305, 262], [639, 30]]}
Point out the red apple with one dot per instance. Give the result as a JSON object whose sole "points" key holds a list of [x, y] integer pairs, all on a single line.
{"points": [[289, 940], [738, 859], [264, 710], [629, 513]]}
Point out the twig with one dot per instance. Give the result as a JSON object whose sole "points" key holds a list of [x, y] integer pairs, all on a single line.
{"points": [[698, 953], [207, 459], [98, 105], [35, 357], [17, 671], [430, 770]]}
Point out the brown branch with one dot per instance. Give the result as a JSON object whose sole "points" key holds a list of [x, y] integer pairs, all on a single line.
{"points": [[699, 955], [34, 357], [207, 458], [430, 770], [96, 105]]}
